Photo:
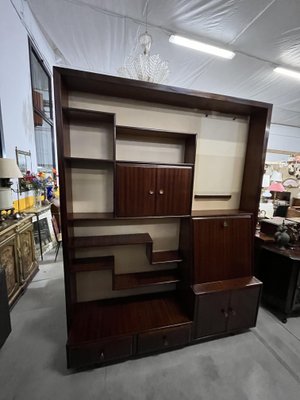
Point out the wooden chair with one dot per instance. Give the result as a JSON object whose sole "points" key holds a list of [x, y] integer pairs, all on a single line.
{"points": [[57, 235]]}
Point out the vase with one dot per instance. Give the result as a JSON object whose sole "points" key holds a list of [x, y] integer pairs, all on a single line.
{"points": [[37, 199]]}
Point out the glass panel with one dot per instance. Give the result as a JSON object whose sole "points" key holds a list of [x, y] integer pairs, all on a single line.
{"points": [[40, 87], [44, 144]]}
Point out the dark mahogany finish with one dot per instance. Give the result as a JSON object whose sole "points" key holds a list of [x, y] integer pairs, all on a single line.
{"points": [[145, 190], [100, 332], [279, 270], [222, 247], [136, 190], [226, 306]]}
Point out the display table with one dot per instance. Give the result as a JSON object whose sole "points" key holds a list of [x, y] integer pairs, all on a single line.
{"points": [[279, 270], [17, 255]]}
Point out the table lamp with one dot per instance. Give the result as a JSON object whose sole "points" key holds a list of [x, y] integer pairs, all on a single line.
{"points": [[8, 169]]}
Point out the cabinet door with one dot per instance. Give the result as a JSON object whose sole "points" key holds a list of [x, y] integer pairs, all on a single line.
{"points": [[222, 248], [9, 261], [135, 190], [211, 314], [243, 308], [173, 190], [26, 245]]}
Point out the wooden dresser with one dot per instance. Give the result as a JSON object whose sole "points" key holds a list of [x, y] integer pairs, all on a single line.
{"points": [[17, 255]]}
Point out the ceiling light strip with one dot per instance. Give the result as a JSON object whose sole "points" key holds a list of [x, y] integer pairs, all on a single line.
{"points": [[287, 72], [200, 46]]}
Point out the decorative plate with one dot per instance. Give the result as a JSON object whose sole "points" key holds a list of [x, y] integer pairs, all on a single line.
{"points": [[290, 183]]}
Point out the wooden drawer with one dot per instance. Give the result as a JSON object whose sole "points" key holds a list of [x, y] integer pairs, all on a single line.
{"points": [[101, 352], [163, 339]]}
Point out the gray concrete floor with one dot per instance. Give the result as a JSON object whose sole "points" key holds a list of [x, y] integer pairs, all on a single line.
{"points": [[263, 363]]}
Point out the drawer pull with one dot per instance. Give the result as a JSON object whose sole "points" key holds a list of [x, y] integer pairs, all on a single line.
{"points": [[232, 312], [225, 224], [165, 341], [161, 191], [151, 192], [102, 356], [225, 313]]}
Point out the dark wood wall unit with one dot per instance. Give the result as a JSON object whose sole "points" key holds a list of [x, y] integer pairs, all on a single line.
{"points": [[222, 248], [206, 287]]}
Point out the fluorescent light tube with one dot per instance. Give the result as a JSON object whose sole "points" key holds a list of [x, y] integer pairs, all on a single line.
{"points": [[288, 72], [206, 48]]}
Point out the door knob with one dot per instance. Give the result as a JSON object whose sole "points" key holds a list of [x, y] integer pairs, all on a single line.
{"points": [[225, 313], [151, 192], [225, 224], [161, 191], [102, 356]]}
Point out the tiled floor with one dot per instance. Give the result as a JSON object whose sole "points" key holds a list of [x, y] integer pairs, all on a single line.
{"points": [[263, 363]]}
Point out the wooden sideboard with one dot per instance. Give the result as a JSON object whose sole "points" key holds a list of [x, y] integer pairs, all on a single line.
{"points": [[17, 255]]}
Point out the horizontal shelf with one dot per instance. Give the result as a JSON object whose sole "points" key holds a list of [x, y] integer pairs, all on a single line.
{"points": [[89, 216], [213, 196], [85, 216], [152, 133], [95, 320], [155, 164], [228, 284], [110, 240], [164, 257], [142, 279], [88, 116], [88, 162], [92, 264]]}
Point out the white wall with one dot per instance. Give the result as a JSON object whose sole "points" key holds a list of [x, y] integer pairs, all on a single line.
{"points": [[284, 138], [15, 82]]}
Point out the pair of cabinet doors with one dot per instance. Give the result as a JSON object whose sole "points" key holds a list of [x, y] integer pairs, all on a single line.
{"points": [[153, 190]]}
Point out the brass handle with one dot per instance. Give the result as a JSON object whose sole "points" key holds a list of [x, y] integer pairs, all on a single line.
{"points": [[102, 356], [161, 191], [225, 313], [225, 224], [151, 192], [165, 341]]}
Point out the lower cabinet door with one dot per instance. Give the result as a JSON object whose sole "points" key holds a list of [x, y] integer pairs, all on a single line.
{"points": [[211, 314], [98, 353], [243, 307], [163, 338]]}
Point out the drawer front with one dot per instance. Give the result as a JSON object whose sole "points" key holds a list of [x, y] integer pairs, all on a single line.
{"points": [[163, 339], [97, 353]]}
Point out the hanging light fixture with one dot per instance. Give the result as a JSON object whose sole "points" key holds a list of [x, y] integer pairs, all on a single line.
{"points": [[144, 66]]}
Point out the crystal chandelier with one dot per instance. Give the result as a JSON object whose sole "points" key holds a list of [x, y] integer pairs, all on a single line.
{"points": [[143, 66]]}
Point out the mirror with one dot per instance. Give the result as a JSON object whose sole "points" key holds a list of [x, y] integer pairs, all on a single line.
{"points": [[25, 164]]}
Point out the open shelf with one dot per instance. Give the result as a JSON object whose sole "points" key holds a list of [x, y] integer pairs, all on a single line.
{"points": [[90, 116], [140, 279], [97, 320], [89, 163], [165, 257], [213, 196], [92, 264], [110, 240], [87, 216]]}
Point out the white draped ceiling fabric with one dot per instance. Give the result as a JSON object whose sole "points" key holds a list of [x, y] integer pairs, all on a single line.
{"points": [[98, 35]]}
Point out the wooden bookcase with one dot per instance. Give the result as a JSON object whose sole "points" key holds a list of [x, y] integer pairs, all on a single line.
{"points": [[140, 265]]}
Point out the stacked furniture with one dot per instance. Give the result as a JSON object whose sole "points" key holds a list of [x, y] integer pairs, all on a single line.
{"points": [[143, 272]]}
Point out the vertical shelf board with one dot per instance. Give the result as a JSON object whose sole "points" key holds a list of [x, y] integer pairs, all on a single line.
{"points": [[66, 206], [259, 125]]}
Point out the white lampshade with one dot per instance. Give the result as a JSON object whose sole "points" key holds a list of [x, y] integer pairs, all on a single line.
{"points": [[266, 181], [276, 176], [266, 194], [6, 201], [9, 168]]}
